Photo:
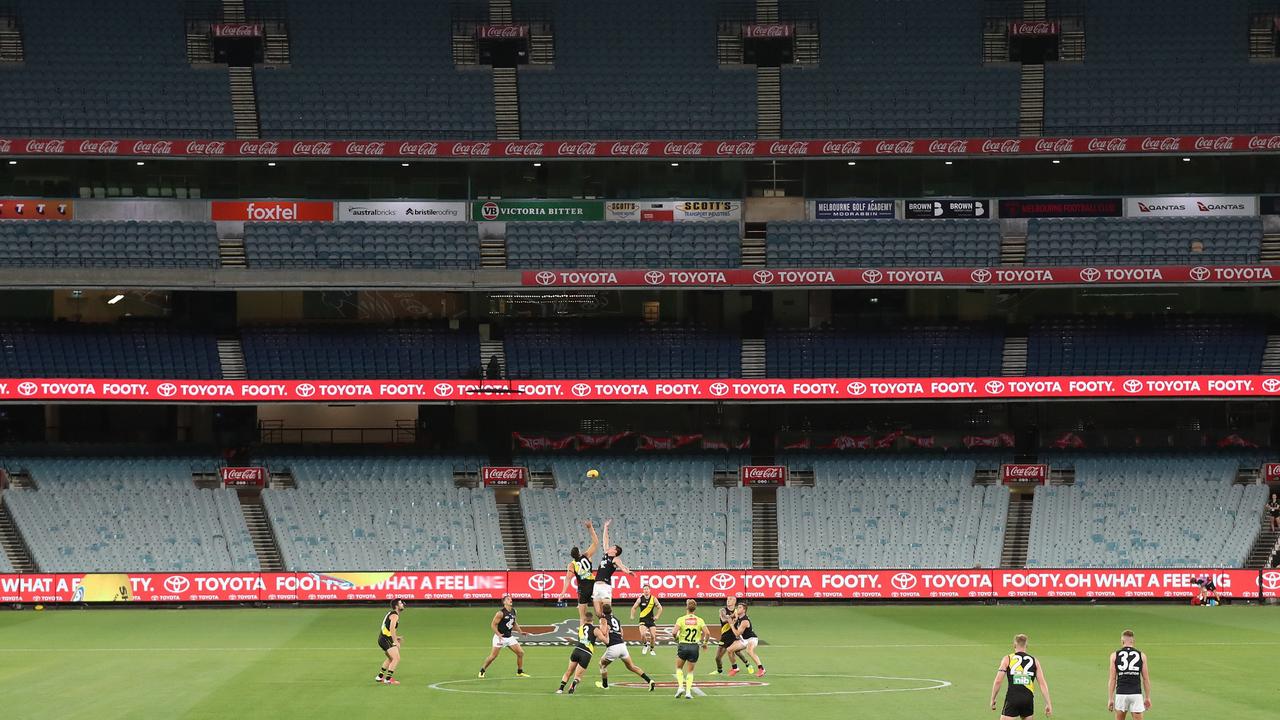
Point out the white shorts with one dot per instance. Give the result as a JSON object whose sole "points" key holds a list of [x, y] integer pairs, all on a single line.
{"points": [[1130, 703], [503, 642], [602, 592], [751, 642], [616, 652]]}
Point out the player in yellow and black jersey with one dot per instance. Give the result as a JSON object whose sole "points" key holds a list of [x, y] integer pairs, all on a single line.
{"points": [[650, 610], [580, 658], [691, 637], [581, 573], [389, 641], [1024, 673], [727, 637]]}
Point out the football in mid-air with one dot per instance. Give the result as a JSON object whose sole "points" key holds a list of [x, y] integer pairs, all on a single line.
{"points": [[593, 473]]}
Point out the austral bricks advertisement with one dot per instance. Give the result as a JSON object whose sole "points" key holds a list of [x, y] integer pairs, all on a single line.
{"points": [[850, 584]]}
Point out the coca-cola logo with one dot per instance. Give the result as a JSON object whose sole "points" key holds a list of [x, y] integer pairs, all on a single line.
{"points": [[207, 147], [47, 146], [1059, 145], [525, 149], [1117, 144], [475, 149], [737, 149], [504, 473], [722, 581], [682, 149], [6, 146], [903, 581], [367, 149], [314, 149], [1257, 142], [1033, 28], [948, 147], [1025, 472], [1159, 143], [501, 32], [767, 30], [1001, 146], [541, 582], [176, 584], [153, 147], [546, 277], [243, 474], [631, 149], [100, 147], [653, 277], [846, 147], [900, 147], [576, 149], [420, 149], [259, 147], [793, 148], [236, 30], [1223, 142], [764, 472]]}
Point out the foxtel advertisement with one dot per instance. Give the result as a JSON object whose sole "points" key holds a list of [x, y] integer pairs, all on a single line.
{"points": [[547, 585], [728, 389]]}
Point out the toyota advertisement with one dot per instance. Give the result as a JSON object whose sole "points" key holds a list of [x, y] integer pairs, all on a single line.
{"points": [[545, 585]]}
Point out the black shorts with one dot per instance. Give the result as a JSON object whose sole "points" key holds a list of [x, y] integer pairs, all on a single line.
{"points": [[647, 621], [687, 652], [1019, 707], [580, 656], [385, 642], [727, 639], [584, 593]]}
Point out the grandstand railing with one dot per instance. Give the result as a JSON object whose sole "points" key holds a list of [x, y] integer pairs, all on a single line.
{"points": [[273, 432]]}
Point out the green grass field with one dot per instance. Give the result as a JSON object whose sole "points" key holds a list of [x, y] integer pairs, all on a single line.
{"points": [[823, 662]]}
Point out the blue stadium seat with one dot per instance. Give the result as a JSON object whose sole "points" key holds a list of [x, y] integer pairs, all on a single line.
{"points": [[108, 244], [367, 245], [355, 352], [1145, 346], [898, 351], [134, 349], [566, 350], [623, 245], [1177, 241], [884, 243]]}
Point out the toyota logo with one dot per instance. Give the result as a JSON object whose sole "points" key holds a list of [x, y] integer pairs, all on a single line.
{"points": [[1199, 273], [546, 277], [1271, 385], [541, 582], [1090, 274], [856, 388], [981, 275], [581, 389], [306, 390], [167, 389], [444, 389], [903, 581], [1132, 385], [872, 276], [176, 584], [723, 581], [27, 388], [995, 387], [719, 388], [653, 277], [1271, 580], [763, 277]]}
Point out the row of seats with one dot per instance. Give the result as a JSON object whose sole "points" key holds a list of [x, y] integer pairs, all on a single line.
{"points": [[132, 244], [623, 245], [371, 245], [334, 352], [615, 349], [1183, 241], [1152, 346], [130, 350], [899, 351]]}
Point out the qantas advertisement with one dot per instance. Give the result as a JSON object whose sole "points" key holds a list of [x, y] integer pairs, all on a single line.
{"points": [[545, 585]]}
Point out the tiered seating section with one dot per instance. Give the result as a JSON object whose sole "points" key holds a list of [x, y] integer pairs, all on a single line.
{"points": [[884, 243], [890, 513], [1190, 241], [118, 69], [650, 501], [1148, 346], [567, 350], [128, 514], [108, 244], [333, 352], [383, 514], [362, 245], [382, 71], [1146, 511], [623, 245], [128, 350], [899, 351], [907, 69], [636, 70]]}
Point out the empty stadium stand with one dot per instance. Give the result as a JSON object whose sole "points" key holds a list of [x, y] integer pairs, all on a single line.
{"points": [[128, 514], [1146, 346], [885, 512], [884, 243], [327, 352], [383, 513], [623, 245], [134, 349], [897, 351], [383, 70], [362, 245], [116, 69], [1182, 241], [129, 244], [1145, 510], [905, 69], [636, 70], [619, 349], [649, 500]]}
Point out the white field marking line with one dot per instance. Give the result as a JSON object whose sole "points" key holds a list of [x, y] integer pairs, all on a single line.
{"points": [[938, 685]]}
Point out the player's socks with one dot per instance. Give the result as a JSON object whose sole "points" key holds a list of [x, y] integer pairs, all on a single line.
{"points": [[679, 677], [605, 680], [562, 684], [482, 672], [381, 674], [573, 687], [688, 684]]}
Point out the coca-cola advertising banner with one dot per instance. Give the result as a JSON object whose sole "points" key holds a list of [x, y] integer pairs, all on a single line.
{"points": [[36, 209], [945, 209], [491, 585], [659, 149], [417, 211], [243, 476], [1034, 28], [504, 476], [878, 277], [760, 31], [501, 32], [673, 210], [763, 475], [1271, 472], [236, 30], [1024, 474], [854, 209], [1065, 207], [1191, 206], [736, 389], [271, 210]]}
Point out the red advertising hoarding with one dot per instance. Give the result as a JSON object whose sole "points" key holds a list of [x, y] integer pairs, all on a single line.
{"points": [[724, 149], [271, 210], [1271, 472], [36, 209], [243, 476], [236, 30], [763, 475], [1024, 474], [505, 476]]}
